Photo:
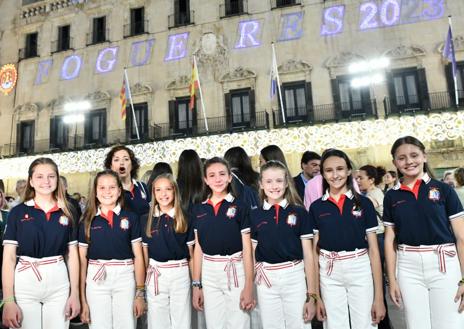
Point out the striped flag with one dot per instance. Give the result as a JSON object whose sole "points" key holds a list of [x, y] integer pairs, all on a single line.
{"points": [[194, 84], [123, 98], [450, 55]]}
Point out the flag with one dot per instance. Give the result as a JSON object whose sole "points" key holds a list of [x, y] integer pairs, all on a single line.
{"points": [[448, 52], [194, 84], [123, 98], [274, 75]]}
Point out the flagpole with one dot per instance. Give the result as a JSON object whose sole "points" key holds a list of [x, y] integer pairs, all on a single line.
{"points": [[455, 78], [274, 64], [131, 103], [201, 94]]}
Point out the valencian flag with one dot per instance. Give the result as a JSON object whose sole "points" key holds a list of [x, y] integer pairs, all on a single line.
{"points": [[194, 84], [450, 55], [123, 98]]}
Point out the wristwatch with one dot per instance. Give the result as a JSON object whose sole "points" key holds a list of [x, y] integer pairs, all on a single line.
{"points": [[197, 284]]}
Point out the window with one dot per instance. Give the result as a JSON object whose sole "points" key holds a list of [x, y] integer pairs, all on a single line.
{"points": [[63, 38], [459, 80], [240, 108], [232, 7], [95, 128], [31, 45], [58, 133], [25, 137], [141, 115], [284, 3], [99, 30], [350, 101], [408, 90], [295, 99], [137, 25], [181, 12], [182, 120]]}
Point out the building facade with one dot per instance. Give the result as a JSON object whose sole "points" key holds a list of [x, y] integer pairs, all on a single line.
{"points": [[69, 50]]}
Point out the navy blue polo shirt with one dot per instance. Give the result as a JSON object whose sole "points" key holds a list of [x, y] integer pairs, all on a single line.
{"points": [[340, 226], [138, 198], [165, 244], [38, 234], [422, 215], [220, 227], [111, 236], [278, 231]]}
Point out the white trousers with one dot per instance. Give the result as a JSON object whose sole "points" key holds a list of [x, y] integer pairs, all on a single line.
{"points": [[222, 286], [168, 295], [428, 294], [41, 290], [110, 294], [282, 295], [348, 291]]}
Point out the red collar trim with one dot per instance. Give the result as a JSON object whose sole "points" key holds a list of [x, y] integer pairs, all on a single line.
{"points": [[415, 188], [215, 206], [277, 209], [132, 190], [340, 203], [108, 217], [48, 214]]}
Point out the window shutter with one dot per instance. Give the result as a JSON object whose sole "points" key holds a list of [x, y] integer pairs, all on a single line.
{"points": [[18, 140], [366, 101], [450, 83], [128, 123], [309, 101], [32, 136], [103, 126], [252, 108], [336, 99], [390, 104], [172, 115], [423, 89], [228, 108], [52, 135]]}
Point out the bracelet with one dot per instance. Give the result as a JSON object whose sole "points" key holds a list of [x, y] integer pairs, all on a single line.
{"points": [[140, 287], [196, 283], [140, 293], [460, 283], [310, 296], [7, 300]]}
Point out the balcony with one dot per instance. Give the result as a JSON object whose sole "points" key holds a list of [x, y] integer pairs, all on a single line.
{"points": [[25, 53], [284, 3], [62, 45], [233, 8], [95, 38], [135, 28], [181, 19], [32, 8]]}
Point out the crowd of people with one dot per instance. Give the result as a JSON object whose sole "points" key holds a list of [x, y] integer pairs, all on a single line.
{"points": [[223, 241]]}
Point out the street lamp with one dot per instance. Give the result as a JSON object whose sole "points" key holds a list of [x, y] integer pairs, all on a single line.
{"points": [[369, 72], [75, 114]]}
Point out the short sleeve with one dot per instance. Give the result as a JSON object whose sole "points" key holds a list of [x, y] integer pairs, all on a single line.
{"points": [[190, 232], [253, 230], [370, 216], [143, 228], [306, 228], [135, 230], [10, 235], [453, 206], [245, 220], [387, 211], [81, 235], [312, 220]]}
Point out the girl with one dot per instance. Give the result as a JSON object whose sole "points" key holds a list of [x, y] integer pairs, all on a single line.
{"points": [[222, 264], [390, 180], [189, 179], [282, 233], [40, 291], [158, 169], [122, 160], [424, 242], [166, 257], [272, 152], [110, 250], [349, 262]]}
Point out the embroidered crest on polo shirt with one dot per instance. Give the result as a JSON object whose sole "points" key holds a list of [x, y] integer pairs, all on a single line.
{"points": [[124, 224], [231, 212], [291, 219], [357, 212], [26, 218], [434, 194], [63, 220]]}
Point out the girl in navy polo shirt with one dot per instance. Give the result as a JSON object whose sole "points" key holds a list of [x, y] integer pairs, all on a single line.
{"points": [[222, 264], [349, 263], [122, 160], [282, 238], [424, 242], [39, 291], [110, 251], [165, 240]]}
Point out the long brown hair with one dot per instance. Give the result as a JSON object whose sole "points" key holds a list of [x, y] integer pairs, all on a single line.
{"points": [[290, 192], [58, 194], [93, 203], [180, 220]]}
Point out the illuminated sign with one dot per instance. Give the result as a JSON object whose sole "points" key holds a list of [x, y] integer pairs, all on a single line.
{"points": [[8, 78], [71, 67], [43, 71], [332, 20], [248, 34], [106, 60], [177, 46], [136, 59], [291, 26]]}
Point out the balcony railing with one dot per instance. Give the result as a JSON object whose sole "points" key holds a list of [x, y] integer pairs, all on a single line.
{"points": [[436, 101], [284, 3], [96, 38], [25, 53], [181, 19], [233, 8], [135, 28], [62, 45]]}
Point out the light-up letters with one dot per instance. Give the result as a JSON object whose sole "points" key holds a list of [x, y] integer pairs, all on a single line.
{"points": [[332, 20], [43, 71], [136, 59], [177, 47], [374, 14], [248, 34], [291, 26], [106, 60], [71, 67]]}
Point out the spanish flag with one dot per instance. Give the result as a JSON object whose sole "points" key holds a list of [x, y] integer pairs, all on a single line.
{"points": [[123, 98], [194, 84]]}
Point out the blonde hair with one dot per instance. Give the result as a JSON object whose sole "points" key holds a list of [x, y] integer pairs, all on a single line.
{"points": [[180, 220], [290, 192]]}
